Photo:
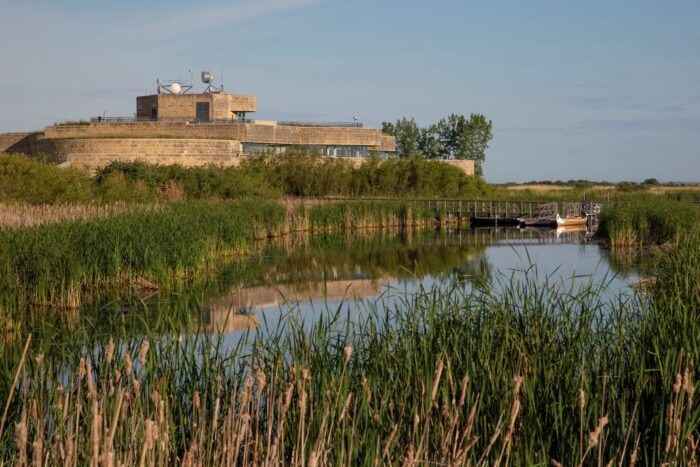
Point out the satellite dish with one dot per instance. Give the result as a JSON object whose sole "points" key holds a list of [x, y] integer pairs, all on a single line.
{"points": [[207, 77], [175, 88]]}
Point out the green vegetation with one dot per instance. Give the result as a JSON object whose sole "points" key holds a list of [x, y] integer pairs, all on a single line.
{"points": [[455, 137], [302, 175], [32, 181], [29, 180], [56, 264], [648, 223], [521, 372]]}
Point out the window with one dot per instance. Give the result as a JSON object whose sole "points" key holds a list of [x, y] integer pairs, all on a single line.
{"points": [[202, 114]]}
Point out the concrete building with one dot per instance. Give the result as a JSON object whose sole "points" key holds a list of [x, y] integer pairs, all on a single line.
{"points": [[176, 126]]}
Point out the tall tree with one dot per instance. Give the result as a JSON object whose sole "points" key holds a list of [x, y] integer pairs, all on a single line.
{"points": [[407, 135], [465, 139], [429, 142]]}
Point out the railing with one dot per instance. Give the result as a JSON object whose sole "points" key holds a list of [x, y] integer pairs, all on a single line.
{"points": [[218, 122], [324, 124], [169, 120]]}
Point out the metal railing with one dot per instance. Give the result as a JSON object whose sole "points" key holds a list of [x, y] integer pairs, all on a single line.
{"points": [[169, 120], [323, 124], [219, 122]]}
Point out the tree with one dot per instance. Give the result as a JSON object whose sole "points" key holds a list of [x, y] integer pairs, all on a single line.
{"points": [[428, 142], [455, 137], [465, 139], [407, 135]]}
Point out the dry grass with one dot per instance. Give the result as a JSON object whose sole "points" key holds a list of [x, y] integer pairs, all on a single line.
{"points": [[18, 216]]}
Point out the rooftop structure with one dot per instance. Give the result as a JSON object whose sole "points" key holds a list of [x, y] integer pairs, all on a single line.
{"points": [[177, 126]]}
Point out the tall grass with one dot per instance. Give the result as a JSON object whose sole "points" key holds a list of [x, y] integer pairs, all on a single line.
{"points": [[53, 264], [526, 372], [56, 264], [638, 224]]}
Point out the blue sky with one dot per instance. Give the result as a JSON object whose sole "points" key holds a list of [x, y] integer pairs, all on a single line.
{"points": [[605, 90]]}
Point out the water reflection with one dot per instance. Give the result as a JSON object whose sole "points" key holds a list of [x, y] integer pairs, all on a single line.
{"points": [[323, 272]]}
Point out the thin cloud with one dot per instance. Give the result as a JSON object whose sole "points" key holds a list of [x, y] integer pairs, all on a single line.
{"points": [[218, 16]]}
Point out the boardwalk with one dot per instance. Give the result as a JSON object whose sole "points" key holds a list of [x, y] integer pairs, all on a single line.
{"points": [[491, 212]]}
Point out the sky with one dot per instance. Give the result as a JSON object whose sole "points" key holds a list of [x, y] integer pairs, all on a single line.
{"points": [[601, 90]]}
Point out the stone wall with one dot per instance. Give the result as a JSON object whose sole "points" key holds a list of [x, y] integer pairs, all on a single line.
{"points": [[24, 142], [183, 106], [244, 132], [466, 166], [92, 154]]}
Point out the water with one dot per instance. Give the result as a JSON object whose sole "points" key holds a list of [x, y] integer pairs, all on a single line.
{"points": [[347, 273], [316, 275]]}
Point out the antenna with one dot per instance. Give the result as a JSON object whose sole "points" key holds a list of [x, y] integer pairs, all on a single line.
{"points": [[208, 79]]}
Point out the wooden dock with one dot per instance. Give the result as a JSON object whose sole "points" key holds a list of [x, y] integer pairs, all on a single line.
{"points": [[493, 213]]}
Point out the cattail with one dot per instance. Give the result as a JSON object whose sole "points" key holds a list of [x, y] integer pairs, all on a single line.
{"points": [[38, 447], [436, 382], [594, 436], [91, 384], [109, 353], [145, 345], [81, 368], [33, 410], [39, 360], [555, 463], [95, 431], [347, 353], [288, 395], [677, 385], [581, 399], [128, 364], [305, 374], [21, 440], [137, 386], [463, 395], [59, 396], [313, 459], [197, 401], [261, 380]]}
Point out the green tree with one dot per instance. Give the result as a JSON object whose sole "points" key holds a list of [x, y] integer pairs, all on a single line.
{"points": [[460, 138], [429, 143], [407, 134]]}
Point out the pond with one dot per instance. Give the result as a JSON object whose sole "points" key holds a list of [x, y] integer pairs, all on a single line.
{"points": [[315, 275]]}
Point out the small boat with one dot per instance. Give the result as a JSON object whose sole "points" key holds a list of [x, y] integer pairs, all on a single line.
{"points": [[538, 221], [569, 221]]}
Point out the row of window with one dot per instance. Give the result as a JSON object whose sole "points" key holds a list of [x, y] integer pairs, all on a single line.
{"points": [[322, 150]]}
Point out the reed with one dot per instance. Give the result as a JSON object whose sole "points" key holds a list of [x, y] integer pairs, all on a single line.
{"points": [[54, 264], [521, 371], [22, 216], [648, 223]]}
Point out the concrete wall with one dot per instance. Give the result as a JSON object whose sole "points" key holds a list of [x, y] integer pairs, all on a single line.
{"points": [[19, 142], [183, 106], [466, 166], [244, 132], [92, 154]]}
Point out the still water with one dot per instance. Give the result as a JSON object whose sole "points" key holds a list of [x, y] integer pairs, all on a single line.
{"points": [[315, 275], [322, 274]]}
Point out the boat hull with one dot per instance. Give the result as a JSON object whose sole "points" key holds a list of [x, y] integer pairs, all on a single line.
{"points": [[570, 221]]}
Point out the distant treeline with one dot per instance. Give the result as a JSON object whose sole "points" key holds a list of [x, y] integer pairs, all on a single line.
{"points": [[454, 137], [28, 180]]}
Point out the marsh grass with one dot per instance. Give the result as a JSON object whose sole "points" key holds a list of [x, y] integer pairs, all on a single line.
{"points": [[74, 250], [22, 216], [648, 223], [523, 370]]}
